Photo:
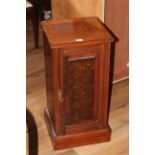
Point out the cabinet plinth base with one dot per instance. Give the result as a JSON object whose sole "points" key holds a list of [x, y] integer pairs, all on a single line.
{"points": [[83, 138]]}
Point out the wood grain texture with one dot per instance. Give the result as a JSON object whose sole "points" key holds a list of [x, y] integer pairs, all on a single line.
{"points": [[69, 31], [86, 84], [76, 84], [36, 102], [117, 19], [80, 85]]}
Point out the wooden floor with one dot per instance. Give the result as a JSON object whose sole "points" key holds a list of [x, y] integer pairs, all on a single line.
{"points": [[40, 143]]}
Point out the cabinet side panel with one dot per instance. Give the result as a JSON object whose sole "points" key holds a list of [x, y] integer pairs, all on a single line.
{"points": [[48, 55], [106, 84]]}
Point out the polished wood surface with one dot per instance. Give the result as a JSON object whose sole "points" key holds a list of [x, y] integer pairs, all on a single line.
{"points": [[36, 102], [79, 71], [113, 13], [117, 19], [75, 30]]}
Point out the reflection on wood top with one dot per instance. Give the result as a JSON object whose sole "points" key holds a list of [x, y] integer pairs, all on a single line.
{"points": [[75, 30]]}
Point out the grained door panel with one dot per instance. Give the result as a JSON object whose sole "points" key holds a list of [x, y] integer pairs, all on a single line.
{"points": [[81, 71], [80, 84]]}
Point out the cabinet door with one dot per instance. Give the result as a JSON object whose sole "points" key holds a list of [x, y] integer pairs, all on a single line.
{"points": [[81, 88]]}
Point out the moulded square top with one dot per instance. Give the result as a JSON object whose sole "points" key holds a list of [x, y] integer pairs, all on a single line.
{"points": [[75, 30]]}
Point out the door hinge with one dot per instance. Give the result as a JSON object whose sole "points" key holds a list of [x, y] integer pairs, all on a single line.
{"points": [[60, 95]]}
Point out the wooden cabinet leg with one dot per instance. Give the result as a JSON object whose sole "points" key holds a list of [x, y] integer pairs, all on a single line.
{"points": [[35, 22]]}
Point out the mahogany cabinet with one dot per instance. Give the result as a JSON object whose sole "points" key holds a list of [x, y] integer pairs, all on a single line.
{"points": [[77, 61]]}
